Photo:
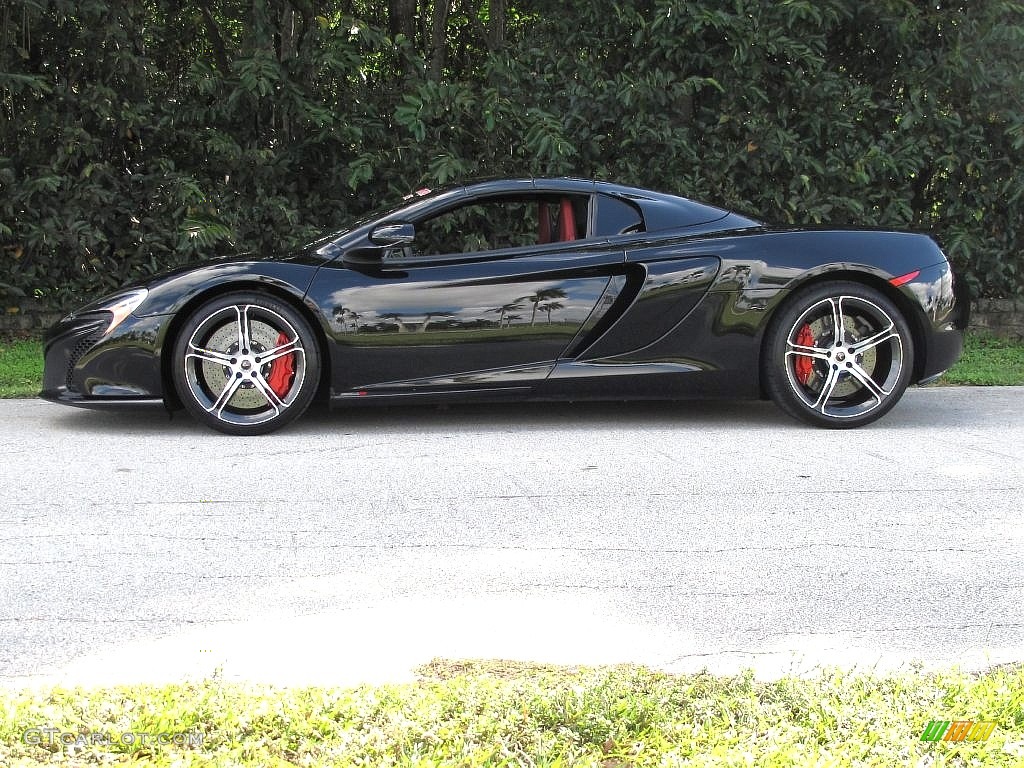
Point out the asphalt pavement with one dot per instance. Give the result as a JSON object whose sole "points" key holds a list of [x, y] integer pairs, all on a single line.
{"points": [[358, 544]]}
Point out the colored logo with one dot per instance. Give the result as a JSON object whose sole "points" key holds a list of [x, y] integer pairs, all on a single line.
{"points": [[957, 730]]}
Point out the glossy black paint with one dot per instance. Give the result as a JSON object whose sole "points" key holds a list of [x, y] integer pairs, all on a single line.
{"points": [[677, 310]]}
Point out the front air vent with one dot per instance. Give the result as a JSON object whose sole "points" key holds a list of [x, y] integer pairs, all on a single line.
{"points": [[82, 346]]}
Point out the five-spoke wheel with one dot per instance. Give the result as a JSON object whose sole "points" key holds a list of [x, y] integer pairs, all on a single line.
{"points": [[838, 355], [246, 364]]}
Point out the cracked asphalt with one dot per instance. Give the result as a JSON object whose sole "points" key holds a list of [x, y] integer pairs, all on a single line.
{"points": [[360, 543]]}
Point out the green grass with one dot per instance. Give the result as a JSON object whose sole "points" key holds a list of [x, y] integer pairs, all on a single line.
{"points": [[510, 714], [21, 368], [986, 361]]}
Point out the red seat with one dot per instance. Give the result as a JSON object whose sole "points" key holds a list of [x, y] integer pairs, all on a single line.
{"points": [[566, 221]]}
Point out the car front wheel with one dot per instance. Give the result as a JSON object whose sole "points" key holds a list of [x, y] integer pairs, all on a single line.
{"points": [[246, 364], [839, 354]]}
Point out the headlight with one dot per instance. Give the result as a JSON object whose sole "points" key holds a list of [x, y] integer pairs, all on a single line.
{"points": [[120, 306]]}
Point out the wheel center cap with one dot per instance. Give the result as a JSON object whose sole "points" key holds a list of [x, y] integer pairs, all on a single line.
{"points": [[840, 356], [246, 365]]}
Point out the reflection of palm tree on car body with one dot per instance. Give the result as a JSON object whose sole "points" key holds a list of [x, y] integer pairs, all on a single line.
{"points": [[505, 309], [346, 318], [550, 307], [544, 295]]}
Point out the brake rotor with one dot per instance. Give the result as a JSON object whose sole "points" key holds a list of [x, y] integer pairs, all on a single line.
{"points": [[821, 334], [262, 337]]}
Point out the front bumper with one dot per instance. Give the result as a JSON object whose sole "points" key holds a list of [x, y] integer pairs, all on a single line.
{"points": [[87, 367]]}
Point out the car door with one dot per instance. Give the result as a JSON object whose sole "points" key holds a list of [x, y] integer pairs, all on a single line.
{"points": [[487, 296]]}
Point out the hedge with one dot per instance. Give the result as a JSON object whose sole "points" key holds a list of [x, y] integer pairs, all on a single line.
{"points": [[136, 136]]}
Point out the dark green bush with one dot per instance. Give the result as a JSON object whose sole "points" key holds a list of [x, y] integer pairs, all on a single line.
{"points": [[139, 135]]}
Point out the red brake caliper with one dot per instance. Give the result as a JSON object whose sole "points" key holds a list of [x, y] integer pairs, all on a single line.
{"points": [[803, 365], [282, 370]]}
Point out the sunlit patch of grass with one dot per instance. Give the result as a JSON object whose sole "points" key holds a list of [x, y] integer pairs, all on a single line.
{"points": [[507, 713]]}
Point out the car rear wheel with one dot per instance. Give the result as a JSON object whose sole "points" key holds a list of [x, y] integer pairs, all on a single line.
{"points": [[838, 355], [246, 364]]}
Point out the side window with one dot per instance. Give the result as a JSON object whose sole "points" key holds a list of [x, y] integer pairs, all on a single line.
{"points": [[503, 222], [616, 217]]}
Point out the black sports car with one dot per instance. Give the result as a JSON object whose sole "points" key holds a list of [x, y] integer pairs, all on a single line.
{"points": [[527, 289]]}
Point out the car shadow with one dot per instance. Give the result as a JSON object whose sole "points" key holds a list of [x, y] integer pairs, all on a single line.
{"points": [[541, 415], [444, 418]]}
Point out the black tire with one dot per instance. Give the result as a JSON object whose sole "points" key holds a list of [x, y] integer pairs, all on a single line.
{"points": [[234, 374], [845, 381]]}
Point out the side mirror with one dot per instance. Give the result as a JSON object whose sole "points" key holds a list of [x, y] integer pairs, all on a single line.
{"points": [[393, 234]]}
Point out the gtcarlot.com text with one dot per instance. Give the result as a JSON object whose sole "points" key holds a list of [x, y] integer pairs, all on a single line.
{"points": [[56, 736]]}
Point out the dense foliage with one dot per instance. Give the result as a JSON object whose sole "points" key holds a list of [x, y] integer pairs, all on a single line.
{"points": [[137, 135]]}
